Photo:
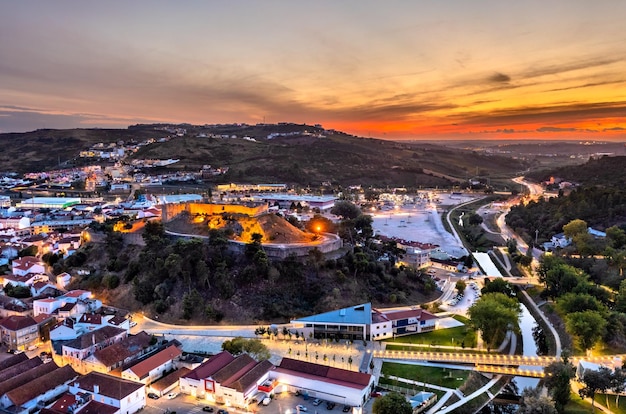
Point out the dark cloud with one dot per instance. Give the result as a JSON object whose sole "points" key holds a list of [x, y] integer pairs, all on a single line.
{"points": [[614, 129], [24, 120], [499, 78], [556, 129], [592, 62], [587, 85], [567, 111]]}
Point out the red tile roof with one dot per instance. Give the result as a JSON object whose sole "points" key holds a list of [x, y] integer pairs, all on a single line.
{"points": [[143, 368], [16, 322], [41, 385], [325, 373], [210, 367], [110, 386], [233, 371], [131, 346]]}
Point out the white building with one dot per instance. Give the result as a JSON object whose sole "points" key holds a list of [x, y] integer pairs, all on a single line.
{"points": [[154, 367], [128, 396], [320, 381]]}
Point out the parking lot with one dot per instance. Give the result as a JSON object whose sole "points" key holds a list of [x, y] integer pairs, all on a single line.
{"points": [[284, 403]]}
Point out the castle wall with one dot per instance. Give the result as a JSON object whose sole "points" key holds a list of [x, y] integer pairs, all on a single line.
{"points": [[169, 211]]}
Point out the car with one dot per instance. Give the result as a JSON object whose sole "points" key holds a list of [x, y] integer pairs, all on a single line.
{"points": [[330, 405], [266, 401], [300, 408], [153, 396], [317, 402], [346, 408], [221, 411], [207, 409], [172, 395]]}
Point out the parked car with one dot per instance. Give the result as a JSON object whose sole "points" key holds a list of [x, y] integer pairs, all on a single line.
{"points": [[266, 401], [317, 402], [172, 395], [153, 396], [220, 411], [207, 409], [330, 405], [346, 408], [300, 408]]}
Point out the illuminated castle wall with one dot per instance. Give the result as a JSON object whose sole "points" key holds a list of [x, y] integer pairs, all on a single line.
{"points": [[169, 211]]}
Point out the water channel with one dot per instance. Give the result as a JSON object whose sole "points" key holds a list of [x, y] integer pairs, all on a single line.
{"points": [[526, 324]]}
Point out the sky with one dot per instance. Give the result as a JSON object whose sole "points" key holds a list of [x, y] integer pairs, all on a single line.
{"points": [[549, 69]]}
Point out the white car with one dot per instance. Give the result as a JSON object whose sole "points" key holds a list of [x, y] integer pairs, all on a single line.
{"points": [[300, 408], [172, 395]]}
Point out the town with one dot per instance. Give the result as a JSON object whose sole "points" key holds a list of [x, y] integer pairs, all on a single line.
{"points": [[70, 350]]}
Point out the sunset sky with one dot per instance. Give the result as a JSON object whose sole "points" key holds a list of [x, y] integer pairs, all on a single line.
{"points": [[550, 69]]}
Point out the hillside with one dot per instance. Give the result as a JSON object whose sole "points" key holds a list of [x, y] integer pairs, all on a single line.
{"points": [[308, 158], [602, 171]]}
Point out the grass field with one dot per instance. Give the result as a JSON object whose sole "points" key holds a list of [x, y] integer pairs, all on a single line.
{"points": [[462, 336], [445, 377]]}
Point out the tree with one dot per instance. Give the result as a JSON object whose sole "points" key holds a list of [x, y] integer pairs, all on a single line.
{"points": [[575, 228], [595, 381], [588, 326], [494, 314], [498, 285], [392, 403], [460, 286], [253, 347], [346, 210], [532, 402], [557, 380], [618, 383], [616, 237]]}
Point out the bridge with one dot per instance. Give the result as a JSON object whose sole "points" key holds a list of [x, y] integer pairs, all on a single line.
{"points": [[493, 363]]}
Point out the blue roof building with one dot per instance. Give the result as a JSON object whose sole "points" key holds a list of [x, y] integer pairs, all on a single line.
{"points": [[346, 323]]}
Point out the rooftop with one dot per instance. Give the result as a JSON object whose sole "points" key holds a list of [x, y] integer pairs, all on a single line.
{"points": [[355, 315]]}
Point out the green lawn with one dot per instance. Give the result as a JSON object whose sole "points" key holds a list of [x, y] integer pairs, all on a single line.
{"points": [[459, 336], [451, 378], [621, 409], [577, 406]]}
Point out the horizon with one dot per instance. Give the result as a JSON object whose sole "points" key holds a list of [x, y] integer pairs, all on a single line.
{"points": [[439, 71]]}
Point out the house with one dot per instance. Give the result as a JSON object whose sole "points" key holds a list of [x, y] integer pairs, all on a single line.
{"points": [[63, 331], [42, 287], [80, 297], [153, 367], [405, 322], [560, 240], [415, 257], [128, 396], [90, 322], [40, 389], [75, 350], [77, 404], [27, 264], [19, 332], [114, 356], [63, 279], [24, 280], [323, 382], [68, 244]]}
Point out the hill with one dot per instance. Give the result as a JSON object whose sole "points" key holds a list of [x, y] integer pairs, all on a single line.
{"points": [[297, 154], [602, 171]]}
